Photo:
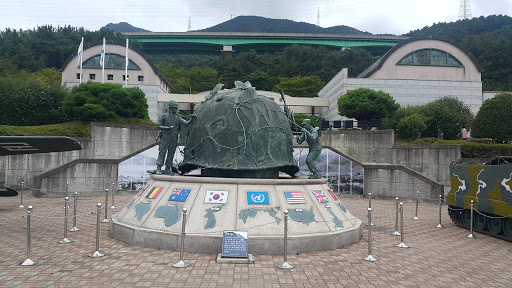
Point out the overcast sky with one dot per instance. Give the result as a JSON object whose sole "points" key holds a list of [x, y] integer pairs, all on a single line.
{"points": [[375, 16]]}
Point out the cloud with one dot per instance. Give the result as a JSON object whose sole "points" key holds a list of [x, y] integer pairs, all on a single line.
{"points": [[491, 7]]}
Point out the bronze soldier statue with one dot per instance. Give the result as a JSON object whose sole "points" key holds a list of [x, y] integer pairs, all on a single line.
{"points": [[312, 137], [169, 124]]}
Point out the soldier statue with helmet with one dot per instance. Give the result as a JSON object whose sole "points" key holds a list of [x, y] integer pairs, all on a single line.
{"points": [[169, 124]]}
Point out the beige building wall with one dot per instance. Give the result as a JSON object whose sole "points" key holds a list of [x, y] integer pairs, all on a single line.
{"points": [[150, 77], [411, 85], [151, 83], [390, 70]]}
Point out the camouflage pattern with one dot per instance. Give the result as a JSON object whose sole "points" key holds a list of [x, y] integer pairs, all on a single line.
{"points": [[489, 186]]}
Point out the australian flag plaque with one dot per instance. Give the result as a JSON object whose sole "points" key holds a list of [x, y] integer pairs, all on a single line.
{"points": [[234, 244]]}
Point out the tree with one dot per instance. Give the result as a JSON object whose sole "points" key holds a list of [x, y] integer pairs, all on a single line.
{"points": [[261, 80], [447, 114], [402, 112], [494, 119], [95, 101], [301, 86], [202, 78], [366, 104], [193, 80], [48, 76], [411, 126], [27, 102]]}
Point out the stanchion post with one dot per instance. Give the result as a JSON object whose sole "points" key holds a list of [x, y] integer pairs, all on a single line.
{"points": [[21, 196], [28, 261], [106, 207], [396, 233], [417, 204], [113, 190], [402, 244], [66, 205], [75, 204], [440, 208], [181, 263], [285, 264], [471, 224], [370, 257], [97, 253], [369, 206]]}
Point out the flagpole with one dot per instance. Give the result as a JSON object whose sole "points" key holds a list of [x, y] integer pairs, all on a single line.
{"points": [[81, 60], [103, 66], [126, 66]]}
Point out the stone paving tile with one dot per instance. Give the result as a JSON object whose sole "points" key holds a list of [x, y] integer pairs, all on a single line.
{"points": [[436, 257]]}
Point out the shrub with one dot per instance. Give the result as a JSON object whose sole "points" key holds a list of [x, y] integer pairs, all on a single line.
{"points": [[411, 126], [494, 119], [478, 150], [30, 102], [98, 101], [447, 114], [366, 104]]}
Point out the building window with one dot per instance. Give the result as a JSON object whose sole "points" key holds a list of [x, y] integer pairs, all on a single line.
{"points": [[77, 75], [430, 57], [92, 76], [141, 78], [112, 61], [124, 77], [110, 77]]}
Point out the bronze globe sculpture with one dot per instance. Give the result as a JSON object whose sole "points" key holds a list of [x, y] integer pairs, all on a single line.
{"points": [[239, 134]]}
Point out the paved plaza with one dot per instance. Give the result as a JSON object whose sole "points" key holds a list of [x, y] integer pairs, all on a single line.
{"points": [[436, 257]]}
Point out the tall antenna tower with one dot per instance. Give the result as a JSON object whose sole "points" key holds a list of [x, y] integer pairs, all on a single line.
{"points": [[189, 24], [465, 10], [317, 16]]}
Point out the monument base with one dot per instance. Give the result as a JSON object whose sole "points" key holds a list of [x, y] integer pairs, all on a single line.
{"points": [[231, 260], [318, 220]]}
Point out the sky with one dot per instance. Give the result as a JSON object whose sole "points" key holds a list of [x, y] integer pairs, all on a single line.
{"points": [[374, 16]]}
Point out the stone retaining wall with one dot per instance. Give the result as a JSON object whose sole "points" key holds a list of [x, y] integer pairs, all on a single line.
{"points": [[390, 170], [91, 169]]}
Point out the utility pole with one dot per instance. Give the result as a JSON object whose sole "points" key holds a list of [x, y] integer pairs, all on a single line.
{"points": [[189, 24], [465, 10], [317, 16]]}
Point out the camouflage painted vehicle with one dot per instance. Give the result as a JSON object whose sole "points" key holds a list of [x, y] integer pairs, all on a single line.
{"points": [[490, 187]]}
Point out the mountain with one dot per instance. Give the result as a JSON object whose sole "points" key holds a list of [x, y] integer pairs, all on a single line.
{"points": [[124, 27], [258, 24]]}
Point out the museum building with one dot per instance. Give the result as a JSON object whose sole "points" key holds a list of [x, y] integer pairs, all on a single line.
{"points": [[141, 72], [414, 72]]}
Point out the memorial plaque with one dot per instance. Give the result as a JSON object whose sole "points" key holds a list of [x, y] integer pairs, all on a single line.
{"points": [[234, 244]]}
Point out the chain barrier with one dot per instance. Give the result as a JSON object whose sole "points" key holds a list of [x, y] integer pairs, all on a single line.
{"points": [[276, 221], [492, 217], [3, 221], [383, 216], [431, 202], [57, 191]]}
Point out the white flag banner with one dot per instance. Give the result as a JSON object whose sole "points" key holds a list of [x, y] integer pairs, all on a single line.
{"points": [[126, 66], [126, 58], [216, 196], [102, 59], [80, 52]]}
